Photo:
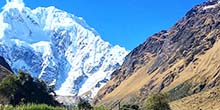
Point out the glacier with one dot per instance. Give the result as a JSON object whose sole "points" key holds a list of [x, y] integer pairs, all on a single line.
{"points": [[57, 47]]}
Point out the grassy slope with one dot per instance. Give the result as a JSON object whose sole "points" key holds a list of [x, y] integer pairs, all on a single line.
{"points": [[31, 107], [207, 100], [204, 70]]}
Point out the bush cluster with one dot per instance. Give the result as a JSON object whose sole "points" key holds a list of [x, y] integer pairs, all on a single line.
{"points": [[23, 89]]}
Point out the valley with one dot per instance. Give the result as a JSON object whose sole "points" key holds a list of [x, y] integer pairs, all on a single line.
{"points": [[58, 54]]}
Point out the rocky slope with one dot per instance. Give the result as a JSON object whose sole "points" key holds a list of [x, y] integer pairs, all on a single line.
{"points": [[182, 60], [58, 47]]}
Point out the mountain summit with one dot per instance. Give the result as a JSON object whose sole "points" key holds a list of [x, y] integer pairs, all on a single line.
{"points": [[57, 47]]}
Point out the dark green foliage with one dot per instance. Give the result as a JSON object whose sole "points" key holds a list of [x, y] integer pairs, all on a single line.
{"points": [[31, 107], [84, 105], [157, 102], [23, 89], [8, 89], [130, 107]]}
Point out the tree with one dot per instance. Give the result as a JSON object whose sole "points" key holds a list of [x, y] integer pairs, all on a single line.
{"points": [[157, 102], [84, 105], [23, 89], [130, 107], [8, 89]]}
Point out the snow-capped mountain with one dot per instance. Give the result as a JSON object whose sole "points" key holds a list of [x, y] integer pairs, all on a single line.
{"points": [[57, 47]]}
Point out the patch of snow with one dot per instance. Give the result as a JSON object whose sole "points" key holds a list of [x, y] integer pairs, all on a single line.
{"points": [[211, 6], [208, 7], [42, 47]]}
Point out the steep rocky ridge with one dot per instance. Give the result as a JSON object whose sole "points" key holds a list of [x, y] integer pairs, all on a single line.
{"points": [[186, 54], [5, 69], [5, 64]]}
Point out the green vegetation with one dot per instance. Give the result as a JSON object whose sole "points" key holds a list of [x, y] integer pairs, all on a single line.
{"points": [[130, 107], [23, 89], [95, 108], [45, 107], [18, 91], [84, 105], [157, 102], [31, 107], [100, 108]]}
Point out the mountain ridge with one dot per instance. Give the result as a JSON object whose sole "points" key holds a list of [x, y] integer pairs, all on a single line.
{"points": [[5, 69], [57, 47], [170, 59]]}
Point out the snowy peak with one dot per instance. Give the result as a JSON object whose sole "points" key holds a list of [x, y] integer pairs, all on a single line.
{"points": [[19, 4], [57, 47], [51, 18], [22, 25], [15, 1]]}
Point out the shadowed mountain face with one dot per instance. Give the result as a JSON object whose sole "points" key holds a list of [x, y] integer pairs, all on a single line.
{"points": [[5, 64], [4, 68], [184, 59]]}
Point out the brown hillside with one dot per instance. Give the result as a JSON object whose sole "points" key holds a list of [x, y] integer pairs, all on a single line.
{"points": [[185, 56], [207, 100]]}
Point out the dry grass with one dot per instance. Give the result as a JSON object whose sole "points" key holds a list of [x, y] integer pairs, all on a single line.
{"points": [[204, 70], [207, 100]]}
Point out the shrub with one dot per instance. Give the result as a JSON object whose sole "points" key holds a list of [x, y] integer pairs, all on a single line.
{"points": [[157, 102], [9, 87], [84, 105], [130, 107], [23, 89]]}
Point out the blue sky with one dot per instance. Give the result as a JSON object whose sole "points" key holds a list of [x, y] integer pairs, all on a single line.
{"points": [[127, 23]]}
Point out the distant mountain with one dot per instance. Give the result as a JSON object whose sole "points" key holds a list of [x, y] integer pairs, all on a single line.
{"points": [[181, 61], [58, 47]]}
